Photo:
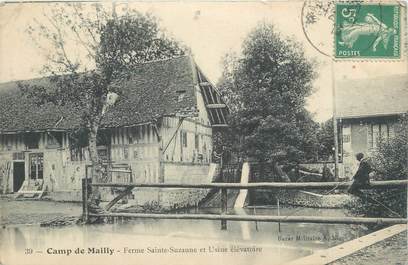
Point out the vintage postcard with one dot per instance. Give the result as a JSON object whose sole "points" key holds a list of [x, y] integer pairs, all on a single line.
{"points": [[203, 132]]}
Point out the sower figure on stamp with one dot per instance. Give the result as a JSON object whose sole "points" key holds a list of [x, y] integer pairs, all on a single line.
{"points": [[361, 178]]}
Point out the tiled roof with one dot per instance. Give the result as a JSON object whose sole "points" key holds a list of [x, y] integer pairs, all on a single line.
{"points": [[153, 91], [377, 96]]}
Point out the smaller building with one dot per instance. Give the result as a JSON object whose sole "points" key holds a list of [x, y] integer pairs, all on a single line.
{"points": [[367, 111]]}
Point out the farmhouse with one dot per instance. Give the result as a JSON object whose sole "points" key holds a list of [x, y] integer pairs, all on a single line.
{"points": [[160, 129], [367, 111]]}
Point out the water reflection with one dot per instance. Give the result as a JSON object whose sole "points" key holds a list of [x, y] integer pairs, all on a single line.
{"points": [[294, 240]]}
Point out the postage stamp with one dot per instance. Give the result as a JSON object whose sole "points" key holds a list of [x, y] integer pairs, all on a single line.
{"points": [[367, 31]]}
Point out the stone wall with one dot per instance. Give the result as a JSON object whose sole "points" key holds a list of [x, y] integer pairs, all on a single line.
{"points": [[309, 198], [182, 198], [175, 198], [65, 196]]}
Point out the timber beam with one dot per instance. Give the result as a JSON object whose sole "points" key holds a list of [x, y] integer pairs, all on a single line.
{"points": [[205, 84], [216, 106], [261, 218], [220, 125], [263, 185]]}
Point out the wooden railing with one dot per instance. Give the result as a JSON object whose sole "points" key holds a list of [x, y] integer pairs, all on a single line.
{"points": [[259, 185]]}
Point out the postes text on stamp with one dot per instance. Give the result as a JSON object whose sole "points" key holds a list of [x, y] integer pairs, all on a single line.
{"points": [[367, 31]]}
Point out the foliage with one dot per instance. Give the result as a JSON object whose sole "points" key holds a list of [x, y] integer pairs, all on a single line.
{"points": [[325, 138], [88, 48], [266, 90], [390, 162]]}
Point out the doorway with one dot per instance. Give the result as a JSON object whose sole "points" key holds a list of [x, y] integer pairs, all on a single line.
{"points": [[18, 175]]}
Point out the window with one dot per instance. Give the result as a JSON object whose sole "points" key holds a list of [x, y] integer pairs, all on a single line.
{"points": [[31, 140], [36, 165], [18, 156], [54, 139], [104, 138], [138, 153], [125, 153], [180, 95], [183, 143], [346, 138], [197, 142], [183, 139], [78, 141], [378, 133], [77, 154], [103, 153], [135, 154]]}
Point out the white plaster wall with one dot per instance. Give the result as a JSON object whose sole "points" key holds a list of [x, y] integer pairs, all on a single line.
{"points": [[186, 173]]}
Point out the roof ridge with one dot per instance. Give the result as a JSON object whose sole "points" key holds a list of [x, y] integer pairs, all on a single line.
{"points": [[165, 59], [138, 64], [369, 79], [152, 93]]}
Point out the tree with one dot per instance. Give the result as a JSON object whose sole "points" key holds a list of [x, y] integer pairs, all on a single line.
{"points": [[107, 48], [325, 138], [266, 88]]}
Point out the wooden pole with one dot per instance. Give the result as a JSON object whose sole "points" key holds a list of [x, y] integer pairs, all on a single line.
{"points": [[279, 224], [336, 139], [256, 223], [263, 185], [224, 208], [224, 195], [261, 218], [84, 196]]}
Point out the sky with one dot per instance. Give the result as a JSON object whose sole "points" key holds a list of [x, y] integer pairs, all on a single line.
{"points": [[210, 29]]}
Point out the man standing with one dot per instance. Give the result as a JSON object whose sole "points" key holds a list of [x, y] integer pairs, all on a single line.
{"points": [[327, 175], [361, 177]]}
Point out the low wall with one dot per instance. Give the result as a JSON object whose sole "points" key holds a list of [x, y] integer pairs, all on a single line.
{"points": [[318, 166], [303, 198], [311, 199], [65, 196], [174, 198], [150, 197], [165, 198]]}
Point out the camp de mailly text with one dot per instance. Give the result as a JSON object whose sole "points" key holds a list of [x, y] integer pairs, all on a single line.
{"points": [[152, 250]]}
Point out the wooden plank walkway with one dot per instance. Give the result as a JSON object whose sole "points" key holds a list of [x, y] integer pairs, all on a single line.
{"points": [[332, 254]]}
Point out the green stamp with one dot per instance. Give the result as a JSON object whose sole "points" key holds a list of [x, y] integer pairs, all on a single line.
{"points": [[367, 31]]}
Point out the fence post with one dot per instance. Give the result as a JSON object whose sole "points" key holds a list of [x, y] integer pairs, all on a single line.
{"points": [[224, 198], [279, 224], [224, 207], [85, 200]]}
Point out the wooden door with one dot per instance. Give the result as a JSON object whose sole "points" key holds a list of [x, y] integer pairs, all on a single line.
{"points": [[18, 175]]}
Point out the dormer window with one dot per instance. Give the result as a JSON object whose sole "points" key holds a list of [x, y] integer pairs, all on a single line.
{"points": [[54, 139], [180, 95], [31, 140]]}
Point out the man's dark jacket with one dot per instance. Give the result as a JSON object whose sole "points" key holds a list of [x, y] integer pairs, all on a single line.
{"points": [[362, 174]]}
